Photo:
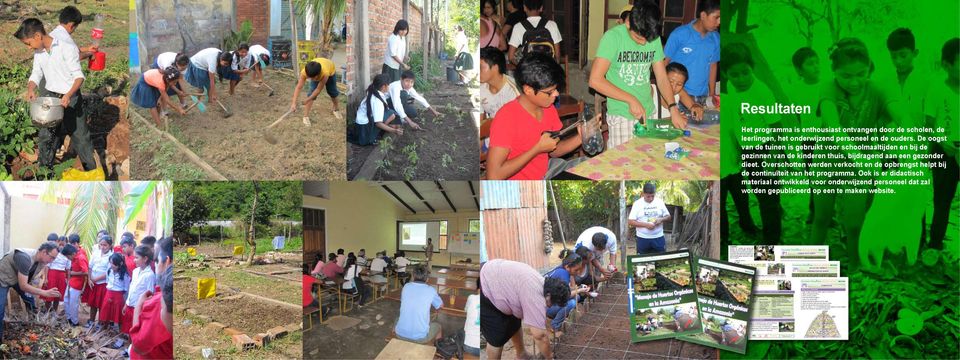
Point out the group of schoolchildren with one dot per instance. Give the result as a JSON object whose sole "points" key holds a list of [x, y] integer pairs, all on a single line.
{"points": [[127, 288], [350, 266], [850, 98], [388, 103], [416, 298], [169, 70], [56, 72], [523, 107]]}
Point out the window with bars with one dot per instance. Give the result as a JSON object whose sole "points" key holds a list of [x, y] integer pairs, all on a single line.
{"points": [[474, 226]]}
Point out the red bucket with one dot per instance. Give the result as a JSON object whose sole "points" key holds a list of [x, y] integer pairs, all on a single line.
{"points": [[98, 61]]}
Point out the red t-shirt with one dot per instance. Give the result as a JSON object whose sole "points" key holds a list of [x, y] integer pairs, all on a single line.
{"points": [[515, 129], [79, 264], [131, 263], [308, 282], [149, 335]]}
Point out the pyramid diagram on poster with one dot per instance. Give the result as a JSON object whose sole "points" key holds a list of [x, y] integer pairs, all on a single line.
{"points": [[823, 327]]}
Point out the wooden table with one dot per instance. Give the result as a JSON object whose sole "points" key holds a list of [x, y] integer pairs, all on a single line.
{"points": [[457, 309], [459, 273], [462, 266], [470, 285], [643, 158], [403, 350]]}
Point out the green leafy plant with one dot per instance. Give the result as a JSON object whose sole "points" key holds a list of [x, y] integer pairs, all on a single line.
{"points": [[235, 38], [409, 172], [424, 85], [446, 160], [16, 131]]}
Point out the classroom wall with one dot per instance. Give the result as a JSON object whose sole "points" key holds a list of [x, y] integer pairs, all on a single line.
{"points": [[357, 216], [457, 222], [597, 17]]}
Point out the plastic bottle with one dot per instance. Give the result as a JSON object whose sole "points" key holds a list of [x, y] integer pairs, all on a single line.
{"points": [[97, 33]]}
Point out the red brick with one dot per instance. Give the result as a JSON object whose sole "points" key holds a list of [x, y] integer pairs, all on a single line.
{"points": [[243, 342]]}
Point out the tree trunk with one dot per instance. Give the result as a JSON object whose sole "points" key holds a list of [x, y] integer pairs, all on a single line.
{"points": [[251, 241]]}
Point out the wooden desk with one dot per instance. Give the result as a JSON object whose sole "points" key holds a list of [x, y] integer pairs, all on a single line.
{"points": [[470, 285], [457, 309], [403, 350], [462, 266], [459, 273]]}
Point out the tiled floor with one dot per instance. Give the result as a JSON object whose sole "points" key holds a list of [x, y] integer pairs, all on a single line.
{"points": [[602, 332]]}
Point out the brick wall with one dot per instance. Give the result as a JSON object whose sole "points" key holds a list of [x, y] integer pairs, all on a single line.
{"points": [[382, 17], [258, 12]]}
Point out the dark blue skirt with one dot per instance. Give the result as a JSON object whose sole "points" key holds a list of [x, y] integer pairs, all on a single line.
{"points": [[198, 77], [227, 73], [144, 95]]}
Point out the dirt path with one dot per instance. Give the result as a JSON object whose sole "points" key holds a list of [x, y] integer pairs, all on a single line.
{"points": [[236, 146], [445, 150]]}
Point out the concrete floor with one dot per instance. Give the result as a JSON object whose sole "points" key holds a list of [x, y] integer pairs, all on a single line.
{"points": [[367, 339]]}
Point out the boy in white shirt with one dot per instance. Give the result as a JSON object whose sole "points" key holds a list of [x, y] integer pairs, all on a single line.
{"points": [[648, 215], [402, 95], [401, 261], [56, 71]]}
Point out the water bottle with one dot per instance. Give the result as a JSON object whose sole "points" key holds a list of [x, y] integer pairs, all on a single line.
{"points": [[97, 33]]}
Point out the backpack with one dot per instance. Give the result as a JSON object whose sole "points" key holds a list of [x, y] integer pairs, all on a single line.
{"points": [[535, 39], [451, 346]]}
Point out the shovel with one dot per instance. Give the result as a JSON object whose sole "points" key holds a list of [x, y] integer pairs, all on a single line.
{"points": [[226, 113], [268, 136]]}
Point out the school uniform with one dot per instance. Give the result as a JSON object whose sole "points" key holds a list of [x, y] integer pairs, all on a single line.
{"points": [[113, 301], [236, 64], [100, 267], [57, 277], [54, 72], [75, 286], [201, 65], [165, 60], [328, 69], [402, 100], [367, 131], [150, 335], [256, 51], [146, 93], [143, 280]]}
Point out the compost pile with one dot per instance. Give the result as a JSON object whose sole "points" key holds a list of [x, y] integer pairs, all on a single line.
{"points": [[43, 335]]}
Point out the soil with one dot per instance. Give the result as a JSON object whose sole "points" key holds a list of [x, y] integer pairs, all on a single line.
{"points": [[249, 315], [446, 149], [236, 146]]}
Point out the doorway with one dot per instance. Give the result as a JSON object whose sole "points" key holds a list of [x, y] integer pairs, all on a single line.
{"points": [[314, 235]]}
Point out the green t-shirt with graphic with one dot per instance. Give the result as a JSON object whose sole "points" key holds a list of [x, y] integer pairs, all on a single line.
{"points": [[630, 67]]}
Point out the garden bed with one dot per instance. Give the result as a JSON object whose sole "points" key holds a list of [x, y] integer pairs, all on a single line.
{"points": [[236, 146], [446, 148]]}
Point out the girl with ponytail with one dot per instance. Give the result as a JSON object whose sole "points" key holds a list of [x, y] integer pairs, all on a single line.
{"points": [[374, 115]]}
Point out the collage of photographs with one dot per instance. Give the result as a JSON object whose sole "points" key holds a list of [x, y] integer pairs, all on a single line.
{"points": [[168, 166]]}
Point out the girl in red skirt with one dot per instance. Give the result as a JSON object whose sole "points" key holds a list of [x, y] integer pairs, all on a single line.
{"points": [[143, 281], [57, 276], [118, 281], [98, 278]]}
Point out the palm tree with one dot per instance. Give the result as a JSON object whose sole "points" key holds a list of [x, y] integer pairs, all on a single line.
{"points": [[95, 206], [331, 9]]}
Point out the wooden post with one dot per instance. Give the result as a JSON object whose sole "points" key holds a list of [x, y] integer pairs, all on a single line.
{"points": [[425, 37], [363, 68], [293, 31]]}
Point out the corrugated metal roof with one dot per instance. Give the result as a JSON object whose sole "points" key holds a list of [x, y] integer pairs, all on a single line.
{"points": [[499, 194]]}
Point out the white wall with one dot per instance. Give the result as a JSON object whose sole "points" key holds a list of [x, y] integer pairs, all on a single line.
{"points": [[456, 223], [31, 221]]}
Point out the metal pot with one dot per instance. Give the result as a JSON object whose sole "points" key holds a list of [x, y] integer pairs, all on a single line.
{"points": [[46, 111]]}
